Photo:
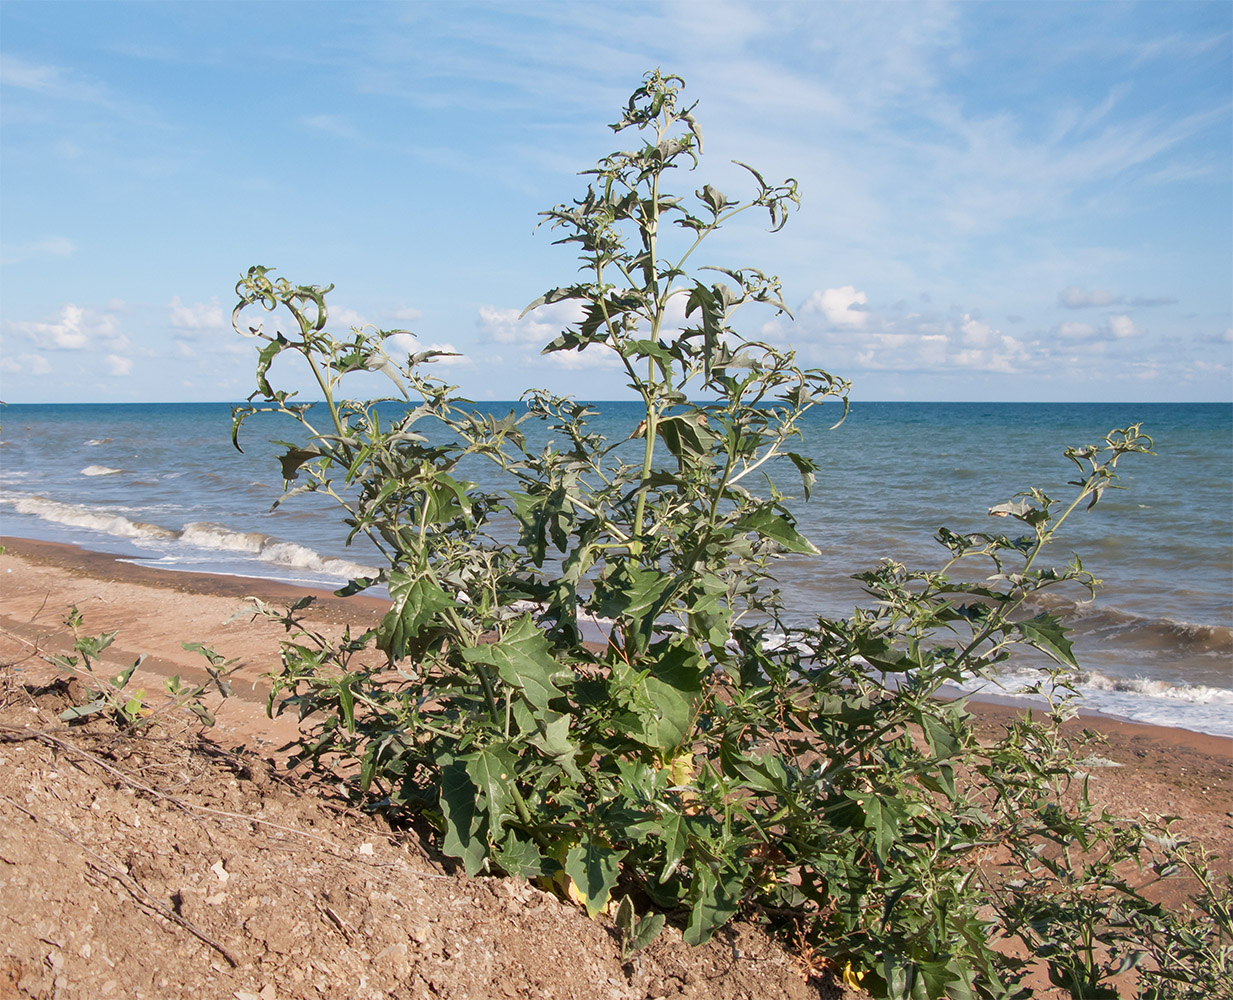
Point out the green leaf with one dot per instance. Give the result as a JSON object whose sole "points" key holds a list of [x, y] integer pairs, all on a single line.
{"points": [[714, 306], [634, 593], [81, 711], [122, 678], [713, 905], [523, 658], [779, 529], [463, 818], [674, 686], [594, 867], [417, 601], [687, 437], [265, 358], [293, 459], [882, 815], [675, 834], [1046, 633], [520, 857], [808, 468], [492, 771]]}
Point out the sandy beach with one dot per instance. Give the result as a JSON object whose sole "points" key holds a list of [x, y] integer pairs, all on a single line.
{"points": [[1143, 770]]}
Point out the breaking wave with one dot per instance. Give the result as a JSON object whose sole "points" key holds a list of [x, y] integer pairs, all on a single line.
{"points": [[1144, 630], [198, 534], [99, 470]]}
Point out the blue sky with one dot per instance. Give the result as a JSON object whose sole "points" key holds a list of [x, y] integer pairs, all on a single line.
{"points": [[1021, 201]]}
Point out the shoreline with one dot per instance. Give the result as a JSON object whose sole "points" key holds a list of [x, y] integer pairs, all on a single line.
{"points": [[1134, 769], [360, 611]]}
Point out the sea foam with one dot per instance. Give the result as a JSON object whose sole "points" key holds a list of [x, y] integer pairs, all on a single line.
{"points": [[195, 535]]}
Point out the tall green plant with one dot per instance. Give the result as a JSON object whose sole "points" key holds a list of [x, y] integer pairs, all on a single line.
{"points": [[693, 763]]}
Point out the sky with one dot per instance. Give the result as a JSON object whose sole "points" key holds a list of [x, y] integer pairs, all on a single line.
{"points": [[1000, 201]]}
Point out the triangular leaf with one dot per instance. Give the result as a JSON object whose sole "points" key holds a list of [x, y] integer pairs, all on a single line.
{"points": [[524, 660], [594, 868]]}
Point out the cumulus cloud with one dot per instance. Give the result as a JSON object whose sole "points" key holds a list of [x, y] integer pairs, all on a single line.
{"points": [[871, 340], [1122, 327], [406, 314], [400, 345], [1077, 331], [25, 364], [117, 365], [74, 329], [535, 329], [841, 307], [198, 316], [1116, 327]]}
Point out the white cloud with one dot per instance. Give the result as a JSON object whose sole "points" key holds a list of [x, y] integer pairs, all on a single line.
{"points": [[976, 333], [1076, 331], [74, 329], [915, 342], [49, 247], [1073, 297], [333, 124], [117, 365], [198, 316], [1116, 327], [52, 81], [406, 314], [1122, 327], [25, 364], [343, 316], [400, 345], [842, 307], [535, 329]]}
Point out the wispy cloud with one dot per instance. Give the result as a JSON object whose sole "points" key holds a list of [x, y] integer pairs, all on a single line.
{"points": [[53, 81], [1073, 297], [334, 124], [47, 248]]}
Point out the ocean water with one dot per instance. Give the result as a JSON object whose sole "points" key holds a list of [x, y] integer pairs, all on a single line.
{"points": [[161, 483]]}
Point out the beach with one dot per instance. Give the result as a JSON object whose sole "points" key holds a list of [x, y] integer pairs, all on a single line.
{"points": [[1164, 770], [1138, 771]]}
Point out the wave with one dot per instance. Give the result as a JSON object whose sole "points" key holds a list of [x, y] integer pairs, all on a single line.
{"points": [[84, 517], [1147, 630], [99, 470], [1194, 694], [95, 442], [198, 535]]}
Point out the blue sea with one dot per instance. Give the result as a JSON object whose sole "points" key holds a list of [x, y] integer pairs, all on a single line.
{"points": [[161, 484]]}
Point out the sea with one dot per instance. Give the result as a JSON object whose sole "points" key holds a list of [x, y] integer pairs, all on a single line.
{"points": [[162, 485]]}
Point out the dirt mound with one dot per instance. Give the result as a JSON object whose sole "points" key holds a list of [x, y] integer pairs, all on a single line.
{"points": [[165, 865]]}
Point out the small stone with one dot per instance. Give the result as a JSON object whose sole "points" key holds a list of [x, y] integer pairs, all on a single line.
{"points": [[393, 951], [366, 849], [222, 873]]}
